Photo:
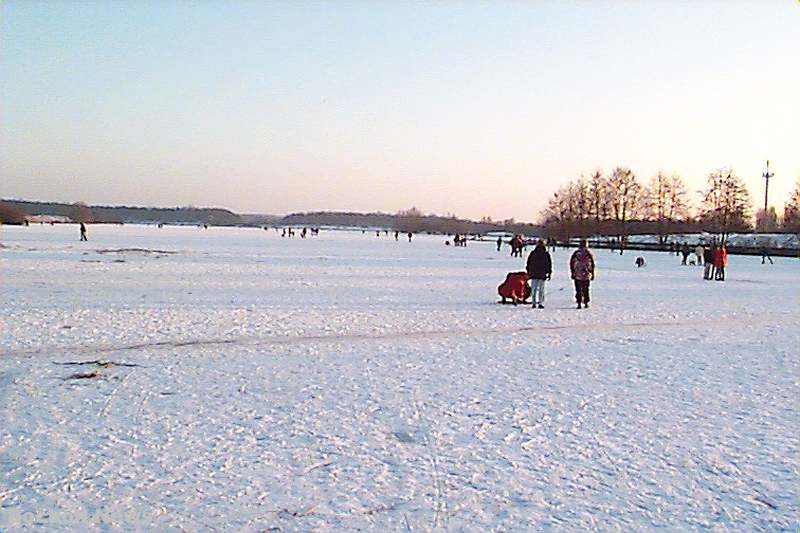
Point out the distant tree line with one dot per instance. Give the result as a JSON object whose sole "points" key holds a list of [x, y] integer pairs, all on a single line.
{"points": [[619, 204], [10, 214], [410, 220], [80, 212]]}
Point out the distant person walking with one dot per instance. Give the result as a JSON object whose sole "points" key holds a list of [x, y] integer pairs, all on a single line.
{"points": [[84, 232], [396, 235], [517, 246], [684, 253], [499, 243], [765, 255], [410, 235], [581, 266], [720, 262], [540, 269]]}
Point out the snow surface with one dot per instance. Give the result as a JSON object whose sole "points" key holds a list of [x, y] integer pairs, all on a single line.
{"points": [[349, 381]]}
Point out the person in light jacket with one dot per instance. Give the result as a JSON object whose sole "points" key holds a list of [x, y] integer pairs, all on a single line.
{"points": [[581, 266], [699, 253]]}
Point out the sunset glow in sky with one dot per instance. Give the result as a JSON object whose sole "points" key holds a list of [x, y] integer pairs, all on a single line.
{"points": [[466, 107]]}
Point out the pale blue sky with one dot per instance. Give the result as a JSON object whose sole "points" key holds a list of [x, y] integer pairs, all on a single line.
{"points": [[475, 108]]}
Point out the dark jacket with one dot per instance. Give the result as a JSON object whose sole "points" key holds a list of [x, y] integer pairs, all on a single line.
{"points": [[540, 266]]}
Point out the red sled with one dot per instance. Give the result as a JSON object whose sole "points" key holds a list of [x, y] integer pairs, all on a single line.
{"points": [[515, 288]]}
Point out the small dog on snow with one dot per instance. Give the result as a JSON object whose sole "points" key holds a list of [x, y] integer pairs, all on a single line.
{"points": [[640, 262]]}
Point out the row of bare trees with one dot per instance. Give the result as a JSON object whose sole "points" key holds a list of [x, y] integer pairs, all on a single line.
{"points": [[608, 204], [617, 203]]}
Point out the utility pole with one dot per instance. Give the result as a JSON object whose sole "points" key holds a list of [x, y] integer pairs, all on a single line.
{"points": [[766, 175]]}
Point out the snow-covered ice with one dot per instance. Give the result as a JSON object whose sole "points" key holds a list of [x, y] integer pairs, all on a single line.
{"points": [[349, 381]]}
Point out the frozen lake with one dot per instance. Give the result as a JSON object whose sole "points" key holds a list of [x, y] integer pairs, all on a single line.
{"points": [[349, 381]]}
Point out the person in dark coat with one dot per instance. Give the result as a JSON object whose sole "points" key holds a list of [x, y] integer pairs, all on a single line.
{"points": [[83, 232], [581, 266], [685, 251], [765, 255], [540, 269], [708, 261], [517, 245]]}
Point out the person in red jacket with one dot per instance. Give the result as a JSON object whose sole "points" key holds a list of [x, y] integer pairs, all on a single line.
{"points": [[720, 262]]}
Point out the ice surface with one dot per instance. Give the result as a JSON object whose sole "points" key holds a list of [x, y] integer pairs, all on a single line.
{"points": [[349, 381]]}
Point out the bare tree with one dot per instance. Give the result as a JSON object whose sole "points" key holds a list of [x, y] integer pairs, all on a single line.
{"points": [[626, 200], [598, 196], [666, 202], [766, 221], [558, 216], [726, 204], [678, 199], [791, 212]]}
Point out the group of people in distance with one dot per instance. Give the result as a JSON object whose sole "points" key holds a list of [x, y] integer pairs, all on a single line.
{"points": [[540, 269], [714, 258], [289, 232], [685, 251]]}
